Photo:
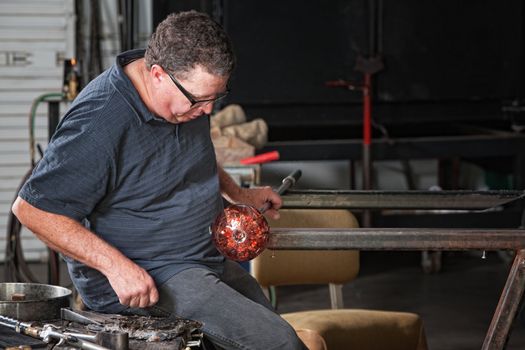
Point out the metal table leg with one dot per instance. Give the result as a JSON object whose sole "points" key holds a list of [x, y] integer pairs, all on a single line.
{"points": [[426, 239], [509, 301]]}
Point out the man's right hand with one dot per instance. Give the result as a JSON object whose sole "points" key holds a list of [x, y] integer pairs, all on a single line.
{"points": [[133, 285]]}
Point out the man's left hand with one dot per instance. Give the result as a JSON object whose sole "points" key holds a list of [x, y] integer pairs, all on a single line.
{"points": [[258, 197]]}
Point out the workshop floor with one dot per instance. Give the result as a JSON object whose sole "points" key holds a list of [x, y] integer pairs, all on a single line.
{"points": [[456, 304]]}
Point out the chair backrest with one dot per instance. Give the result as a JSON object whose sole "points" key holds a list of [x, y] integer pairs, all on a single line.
{"points": [[288, 267]]}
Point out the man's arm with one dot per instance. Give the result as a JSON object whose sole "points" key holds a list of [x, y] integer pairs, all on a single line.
{"points": [[132, 284], [256, 197]]}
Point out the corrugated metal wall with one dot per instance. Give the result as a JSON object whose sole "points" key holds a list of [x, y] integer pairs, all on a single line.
{"points": [[35, 36]]}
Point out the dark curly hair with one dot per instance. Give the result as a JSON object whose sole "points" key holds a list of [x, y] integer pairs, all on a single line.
{"points": [[186, 39]]}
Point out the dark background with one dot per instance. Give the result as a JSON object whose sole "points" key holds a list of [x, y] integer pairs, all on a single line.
{"points": [[443, 61]]}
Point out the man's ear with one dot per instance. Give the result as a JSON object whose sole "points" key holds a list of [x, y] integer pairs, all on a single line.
{"points": [[157, 74]]}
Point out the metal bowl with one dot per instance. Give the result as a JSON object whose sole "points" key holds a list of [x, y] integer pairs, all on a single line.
{"points": [[32, 301]]}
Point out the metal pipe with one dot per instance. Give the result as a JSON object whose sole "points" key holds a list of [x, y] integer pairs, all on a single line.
{"points": [[53, 266], [507, 306], [367, 143], [426, 239], [379, 38], [397, 239], [367, 133], [371, 27], [465, 200], [130, 24]]}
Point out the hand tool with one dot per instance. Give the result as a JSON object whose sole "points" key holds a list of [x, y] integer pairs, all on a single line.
{"points": [[112, 339], [77, 316], [49, 334]]}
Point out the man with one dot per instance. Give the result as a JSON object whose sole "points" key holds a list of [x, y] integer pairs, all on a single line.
{"points": [[129, 185]]}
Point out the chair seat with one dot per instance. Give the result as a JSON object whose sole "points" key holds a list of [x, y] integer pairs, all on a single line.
{"points": [[347, 329]]}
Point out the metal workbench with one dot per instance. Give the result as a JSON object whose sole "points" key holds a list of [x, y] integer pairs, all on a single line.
{"points": [[417, 238]]}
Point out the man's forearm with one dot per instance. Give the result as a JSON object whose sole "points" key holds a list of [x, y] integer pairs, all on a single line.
{"points": [[256, 197], [68, 237], [229, 189], [132, 284]]}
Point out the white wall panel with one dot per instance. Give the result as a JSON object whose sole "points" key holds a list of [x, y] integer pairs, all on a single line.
{"points": [[35, 37], [33, 8], [20, 133], [40, 23], [9, 183], [33, 42], [13, 108], [13, 120], [15, 172], [30, 84]]}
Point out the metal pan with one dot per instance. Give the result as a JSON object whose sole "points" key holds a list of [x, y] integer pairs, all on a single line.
{"points": [[32, 301]]}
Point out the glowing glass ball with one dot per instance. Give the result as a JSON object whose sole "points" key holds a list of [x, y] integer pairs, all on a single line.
{"points": [[240, 232]]}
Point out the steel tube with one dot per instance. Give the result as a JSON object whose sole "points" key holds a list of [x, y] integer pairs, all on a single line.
{"points": [[426, 239], [397, 239], [403, 148], [507, 306], [53, 266], [465, 200]]}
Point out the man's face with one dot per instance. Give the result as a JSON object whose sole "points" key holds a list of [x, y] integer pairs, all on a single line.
{"points": [[186, 99]]}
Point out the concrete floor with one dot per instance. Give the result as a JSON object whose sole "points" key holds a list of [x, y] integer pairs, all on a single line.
{"points": [[456, 304]]}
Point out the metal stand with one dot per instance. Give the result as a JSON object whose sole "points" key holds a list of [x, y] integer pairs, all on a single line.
{"points": [[507, 308], [425, 239], [53, 266], [422, 239]]}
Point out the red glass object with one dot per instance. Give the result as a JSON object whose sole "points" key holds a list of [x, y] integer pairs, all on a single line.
{"points": [[240, 232]]}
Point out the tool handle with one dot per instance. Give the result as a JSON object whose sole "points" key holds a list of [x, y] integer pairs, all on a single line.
{"points": [[261, 158], [19, 327], [77, 316], [86, 345], [50, 333], [287, 182]]}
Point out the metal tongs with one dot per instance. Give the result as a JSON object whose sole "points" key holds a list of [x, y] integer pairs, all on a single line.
{"points": [[49, 334]]}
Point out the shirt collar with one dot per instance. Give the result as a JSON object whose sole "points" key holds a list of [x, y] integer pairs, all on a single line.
{"points": [[125, 86]]}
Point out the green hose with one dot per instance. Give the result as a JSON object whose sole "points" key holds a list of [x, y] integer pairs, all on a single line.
{"points": [[16, 269], [42, 98]]}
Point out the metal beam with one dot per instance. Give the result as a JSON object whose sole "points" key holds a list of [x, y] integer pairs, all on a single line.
{"points": [[468, 146], [463, 200], [426, 239], [396, 239], [507, 308]]}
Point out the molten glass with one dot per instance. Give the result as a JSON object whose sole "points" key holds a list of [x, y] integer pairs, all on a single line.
{"points": [[240, 233]]}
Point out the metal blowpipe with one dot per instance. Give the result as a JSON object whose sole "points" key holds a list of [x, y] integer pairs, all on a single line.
{"points": [[48, 333]]}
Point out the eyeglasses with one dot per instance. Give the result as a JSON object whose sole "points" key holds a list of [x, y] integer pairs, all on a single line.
{"points": [[190, 97]]}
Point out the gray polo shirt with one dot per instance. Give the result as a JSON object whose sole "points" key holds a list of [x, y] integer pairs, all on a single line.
{"points": [[146, 186]]}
